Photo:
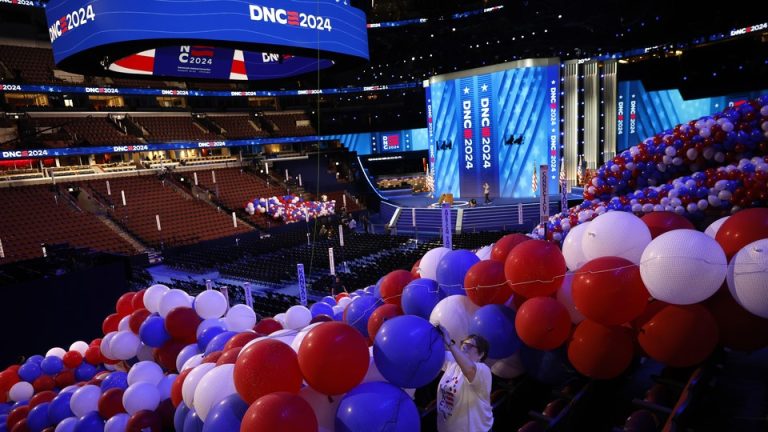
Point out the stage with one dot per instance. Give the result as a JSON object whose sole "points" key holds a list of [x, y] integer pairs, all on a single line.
{"points": [[406, 199]]}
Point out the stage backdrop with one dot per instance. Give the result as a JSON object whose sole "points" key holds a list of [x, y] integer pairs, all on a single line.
{"points": [[494, 124], [383, 142], [641, 114]]}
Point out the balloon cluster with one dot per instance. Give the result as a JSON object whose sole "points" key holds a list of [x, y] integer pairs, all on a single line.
{"points": [[290, 208], [717, 164]]}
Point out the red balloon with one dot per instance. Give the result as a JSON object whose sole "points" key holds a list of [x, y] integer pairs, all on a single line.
{"points": [[16, 415], [415, 269], [601, 352], [393, 284], [8, 378], [110, 323], [281, 411], [93, 355], [144, 421], [663, 221], [21, 426], [535, 268], [379, 316], [43, 383], [176, 396], [340, 296], [72, 359], [267, 326], [137, 318], [543, 323], [111, 403], [680, 336], [166, 355], [166, 410], [320, 318], [265, 367], [229, 356], [124, 304], [212, 357], [182, 323], [742, 228], [239, 340], [485, 283], [137, 302], [504, 246], [609, 290], [42, 397], [334, 358], [739, 329], [64, 378]]}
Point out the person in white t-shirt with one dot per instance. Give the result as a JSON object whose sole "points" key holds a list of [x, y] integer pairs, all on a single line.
{"points": [[464, 391]]}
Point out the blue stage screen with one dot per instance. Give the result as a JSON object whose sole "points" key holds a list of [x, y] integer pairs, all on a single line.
{"points": [[494, 127]]}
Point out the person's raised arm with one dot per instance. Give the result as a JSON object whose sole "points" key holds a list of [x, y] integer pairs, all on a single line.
{"points": [[467, 366]]}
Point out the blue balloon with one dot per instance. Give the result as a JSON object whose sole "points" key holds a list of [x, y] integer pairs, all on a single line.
{"points": [[330, 300], [5, 408], [496, 323], [192, 423], [377, 288], [59, 408], [179, 416], [37, 419], [408, 351], [420, 296], [117, 379], [3, 421], [377, 406], [452, 269], [359, 311], [85, 371], [321, 308], [37, 359], [152, 331], [226, 415], [52, 365], [207, 335], [338, 316], [67, 425], [29, 371], [91, 422], [549, 367], [218, 342]]}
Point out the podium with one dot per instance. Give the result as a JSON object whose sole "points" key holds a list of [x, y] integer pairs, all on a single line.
{"points": [[446, 198]]}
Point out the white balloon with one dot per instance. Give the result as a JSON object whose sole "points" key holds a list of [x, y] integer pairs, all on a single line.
{"points": [[210, 304], [683, 267], [565, 296], [714, 227], [344, 302], [21, 391], [323, 406], [507, 368], [56, 352], [281, 317], [80, 347], [153, 295], [748, 277], [217, 384], [106, 344], [164, 388], [429, 262], [84, 400], [337, 309], [117, 423], [296, 343], [373, 373], [572, 249], [171, 300], [145, 371], [454, 313], [484, 253], [185, 354], [297, 317], [124, 324], [193, 361], [124, 345], [240, 318], [192, 380], [140, 396], [616, 233]]}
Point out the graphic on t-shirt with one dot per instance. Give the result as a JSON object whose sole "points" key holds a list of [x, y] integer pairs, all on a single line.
{"points": [[448, 392]]}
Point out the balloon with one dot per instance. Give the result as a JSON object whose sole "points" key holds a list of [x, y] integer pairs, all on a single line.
{"points": [[420, 296], [484, 253], [572, 250], [408, 351], [747, 279], [429, 262], [452, 268], [377, 406], [507, 368], [535, 268], [171, 300], [59, 408], [296, 317], [504, 246], [37, 419], [192, 380], [43, 383], [216, 385], [609, 291], [166, 355], [56, 352], [601, 352], [333, 358], [454, 313], [323, 407], [393, 284], [565, 297], [85, 372], [415, 269], [741, 229], [616, 233], [264, 367], [90, 422], [181, 323], [543, 323], [84, 400], [117, 423], [180, 415], [219, 341], [320, 308], [680, 336], [226, 415], [549, 367], [239, 340], [496, 323], [359, 311], [192, 422], [17, 415], [205, 336], [141, 396], [144, 421], [660, 222], [714, 227], [52, 365], [485, 283], [321, 318], [210, 304], [111, 403], [739, 329], [110, 323], [30, 371], [145, 371], [124, 305], [67, 425], [240, 318], [178, 385], [683, 267], [185, 354], [280, 411], [124, 345], [382, 314], [72, 359], [152, 332], [152, 297]]}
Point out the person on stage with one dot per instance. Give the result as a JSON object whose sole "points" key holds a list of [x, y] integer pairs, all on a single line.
{"points": [[487, 192]]}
